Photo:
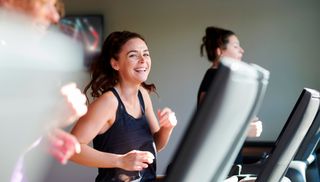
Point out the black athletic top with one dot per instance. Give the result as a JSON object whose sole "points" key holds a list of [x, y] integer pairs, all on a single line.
{"points": [[206, 82], [127, 133]]}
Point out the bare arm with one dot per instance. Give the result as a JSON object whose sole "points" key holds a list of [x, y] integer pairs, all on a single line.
{"points": [[62, 145], [167, 120], [201, 97], [255, 128], [99, 118]]}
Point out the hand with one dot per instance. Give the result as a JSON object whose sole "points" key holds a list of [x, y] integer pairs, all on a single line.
{"points": [[167, 118], [255, 128], [76, 104], [231, 179], [136, 160], [62, 145]]}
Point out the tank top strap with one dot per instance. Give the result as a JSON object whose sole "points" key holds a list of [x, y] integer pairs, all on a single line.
{"points": [[121, 105], [114, 91], [141, 101]]}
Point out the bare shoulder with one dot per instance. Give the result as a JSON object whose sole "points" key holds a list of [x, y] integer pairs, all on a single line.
{"points": [[107, 101], [146, 98], [144, 92], [102, 111], [108, 96], [99, 118]]}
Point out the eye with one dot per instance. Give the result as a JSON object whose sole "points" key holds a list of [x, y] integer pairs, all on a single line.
{"points": [[236, 45], [146, 55], [133, 55]]}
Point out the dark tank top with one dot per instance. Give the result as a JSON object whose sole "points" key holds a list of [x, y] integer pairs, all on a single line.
{"points": [[127, 133]]}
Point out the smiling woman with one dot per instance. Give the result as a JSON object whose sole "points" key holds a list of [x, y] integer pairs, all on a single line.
{"points": [[121, 122], [134, 61]]}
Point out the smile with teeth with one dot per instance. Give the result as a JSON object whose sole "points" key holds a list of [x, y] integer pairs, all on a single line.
{"points": [[140, 69]]}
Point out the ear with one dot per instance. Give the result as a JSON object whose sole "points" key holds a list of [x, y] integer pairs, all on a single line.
{"points": [[219, 51], [114, 64]]}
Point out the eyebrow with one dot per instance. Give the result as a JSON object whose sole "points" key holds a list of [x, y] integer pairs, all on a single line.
{"points": [[238, 43], [135, 51]]}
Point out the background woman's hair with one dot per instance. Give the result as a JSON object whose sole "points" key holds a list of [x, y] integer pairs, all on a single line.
{"points": [[214, 38]]}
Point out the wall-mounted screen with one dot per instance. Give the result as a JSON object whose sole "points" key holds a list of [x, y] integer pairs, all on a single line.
{"points": [[88, 29]]}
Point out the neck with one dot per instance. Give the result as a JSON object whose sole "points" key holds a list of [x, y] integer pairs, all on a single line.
{"points": [[127, 91], [215, 64]]}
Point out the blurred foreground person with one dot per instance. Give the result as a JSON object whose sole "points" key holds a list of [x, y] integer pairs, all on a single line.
{"points": [[37, 99]]}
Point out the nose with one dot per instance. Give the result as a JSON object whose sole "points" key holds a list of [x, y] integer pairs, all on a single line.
{"points": [[142, 58], [241, 50], [53, 15]]}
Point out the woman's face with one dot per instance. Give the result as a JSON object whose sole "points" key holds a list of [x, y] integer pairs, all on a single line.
{"points": [[233, 49], [134, 61], [45, 13]]}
